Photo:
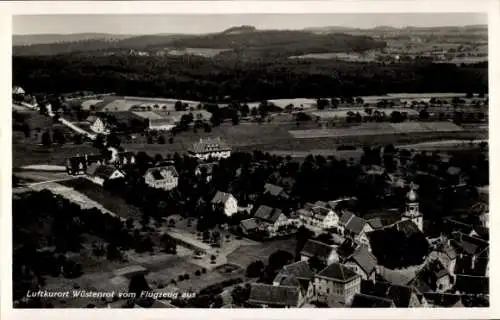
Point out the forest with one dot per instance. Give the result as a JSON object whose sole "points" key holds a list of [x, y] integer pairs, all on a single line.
{"points": [[203, 79]]}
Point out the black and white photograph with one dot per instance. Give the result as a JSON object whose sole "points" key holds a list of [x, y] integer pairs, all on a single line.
{"points": [[291, 160]]}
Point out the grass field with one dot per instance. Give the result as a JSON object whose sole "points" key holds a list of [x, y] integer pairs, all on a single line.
{"points": [[245, 255], [109, 201]]}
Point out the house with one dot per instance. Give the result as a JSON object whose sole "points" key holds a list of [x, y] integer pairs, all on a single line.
{"points": [[165, 178], [336, 283], [402, 296], [210, 148], [323, 252], [375, 223], [275, 191], [101, 173], [318, 217], [78, 165], [433, 277], [446, 254], [271, 217], [363, 263], [228, 202], [367, 301], [97, 125], [266, 295], [18, 90], [249, 226], [206, 169], [298, 274], [358, 228]]}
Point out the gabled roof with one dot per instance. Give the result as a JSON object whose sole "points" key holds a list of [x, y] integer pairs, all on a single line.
{"points": [[408, 227], [472, 285], [320, 204], [444, 300], [160, 173], [273, 190], [209, 145], [401, 295], [249, 224], [314, 248], [267, 214], [221, 197], [366, 301], [338, 272], [300, 270], [375, 223], [103, 171], [266, 294], [345, 217], [364, 259], [91, 169], [356, 225]]}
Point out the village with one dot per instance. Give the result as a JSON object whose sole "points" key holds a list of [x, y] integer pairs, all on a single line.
{"points": [[262, 230]]}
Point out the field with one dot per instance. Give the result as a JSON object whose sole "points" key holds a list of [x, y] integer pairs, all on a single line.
{"points": [[111, 202], [120, 104], [202, 52], [342, 113], [377, 129], [27, 151], [245, 255]]}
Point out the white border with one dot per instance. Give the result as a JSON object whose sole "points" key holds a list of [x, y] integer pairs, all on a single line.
{"points": [[7, 9]]}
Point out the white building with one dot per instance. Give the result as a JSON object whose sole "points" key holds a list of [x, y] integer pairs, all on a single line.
{"points": [[318, 217], [101, 173], [210, 148], [97, 125], [165, 178], [228, 201]]}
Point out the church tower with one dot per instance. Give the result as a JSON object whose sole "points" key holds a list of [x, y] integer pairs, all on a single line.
{"points": [[412, 211]]}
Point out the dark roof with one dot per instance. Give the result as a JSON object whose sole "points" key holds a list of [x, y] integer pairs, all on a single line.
{"points": [[465, 246], [364, 259], [472, 285], [273, 190], [356, 225], [375, 223], [221, 197], [338, 272], [345, 217], [266, 294], [408, 227], [300, 270], [482, 232], [366, 301], [91, 169], [104, 172], [465, 266], [209, 145], [444, 300], [314, 248], [267, 214], [401, 295], [249, 224]]}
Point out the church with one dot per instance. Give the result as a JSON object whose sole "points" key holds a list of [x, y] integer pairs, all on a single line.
{"points": [[412, 211]]}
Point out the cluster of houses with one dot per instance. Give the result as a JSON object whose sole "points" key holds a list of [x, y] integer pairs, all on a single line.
{"points": [[456, 268], [99, 168]]}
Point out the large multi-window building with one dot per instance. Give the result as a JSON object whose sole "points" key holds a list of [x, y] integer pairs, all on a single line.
{"points": [[210, 148]]}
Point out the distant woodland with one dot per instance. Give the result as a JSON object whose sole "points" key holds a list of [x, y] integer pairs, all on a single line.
{"points": [[199, 78]]}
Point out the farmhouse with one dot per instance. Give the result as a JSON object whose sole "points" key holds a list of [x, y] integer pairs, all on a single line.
{"points": [[227, 201], [325, 253], [98, 125], [275, 191], [432, 278], [318, 217], [154, 121], [402, 296], [165, 178], [336, 283], [249, 226], [272, 218], [298, 274], [101, 173], [78, 165], [18, 90], [266, 295], [210, 148], [363, 263], [358, 228]]}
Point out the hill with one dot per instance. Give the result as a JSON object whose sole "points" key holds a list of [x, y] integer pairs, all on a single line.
{"points": [[33, 39], [244, 38]]}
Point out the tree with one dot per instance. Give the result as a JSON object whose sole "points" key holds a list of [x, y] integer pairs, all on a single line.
{"points": [[161, 140], [138, 284], [321, 103], [169, 244], [423, 114], [315, 264], [170, 140], [112, 252], [279, 258], [235, 119], [255, 269], [396, 116], [240, 294], [254, 112], [150, 139], [78, 139], [46, 140]]}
